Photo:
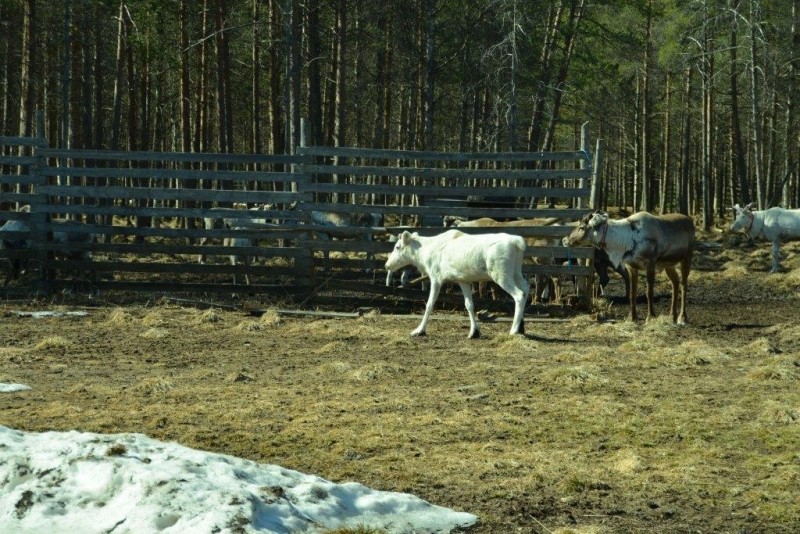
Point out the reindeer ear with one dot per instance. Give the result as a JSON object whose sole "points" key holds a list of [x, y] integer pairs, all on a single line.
{"points": [[736, 207], [750, 206], [598, 218]]}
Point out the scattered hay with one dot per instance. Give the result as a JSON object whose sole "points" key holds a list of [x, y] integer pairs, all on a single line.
{"points": [[513, 344], [332, 347], [152, 386], [53, 344], [154, 319], [584, 529], [239, 377], [373, 372], [772, 372], [250, 326], [575, 378], [689, 353], [786, 333], [760, 347], [371, 316], [626, 462], [12, 354], [778, 414], [209, 316], [734, 270], [271, 318], [335, 368], [119, 318], [155, 333]]}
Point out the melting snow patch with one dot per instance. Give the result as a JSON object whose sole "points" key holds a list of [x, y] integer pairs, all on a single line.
{"points": [[43, 314], [11, 388], [84, 482]]}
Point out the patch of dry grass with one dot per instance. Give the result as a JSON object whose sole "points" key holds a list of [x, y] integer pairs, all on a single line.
{"points": [[54, 344], [585, 426]]}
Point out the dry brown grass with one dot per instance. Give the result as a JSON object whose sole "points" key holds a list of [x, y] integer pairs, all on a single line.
{"points": [[582, 426]]}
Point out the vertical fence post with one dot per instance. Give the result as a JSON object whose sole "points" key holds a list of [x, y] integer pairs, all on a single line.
{"points": [[40, 215], [586, 165], [597, 177], [304, 262]]}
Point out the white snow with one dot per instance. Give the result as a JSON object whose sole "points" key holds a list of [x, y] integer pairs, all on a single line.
{"points": [[85, 482], [11, 388]]}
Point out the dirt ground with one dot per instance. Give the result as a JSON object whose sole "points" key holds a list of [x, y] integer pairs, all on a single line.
{"points": [[587, 424]]}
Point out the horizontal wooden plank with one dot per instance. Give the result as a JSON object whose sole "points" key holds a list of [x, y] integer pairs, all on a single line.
{"points": [[18, 160], [126, 210], [186, 157], [448, 174], [156, 193], [23, 141], [21, 179], [161, 287], [454, 191], [436, 211], [174, 174], [170, 267], [352, 152]]}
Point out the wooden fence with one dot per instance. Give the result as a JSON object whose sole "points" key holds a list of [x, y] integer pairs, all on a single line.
{"points": [[146, 210]]}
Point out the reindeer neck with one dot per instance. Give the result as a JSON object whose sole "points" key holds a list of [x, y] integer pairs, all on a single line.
{"points": [[756, 224]]}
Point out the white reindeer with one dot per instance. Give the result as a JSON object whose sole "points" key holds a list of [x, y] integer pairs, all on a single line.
{"points": [[644, 241], [775, 224], [457, 257]]}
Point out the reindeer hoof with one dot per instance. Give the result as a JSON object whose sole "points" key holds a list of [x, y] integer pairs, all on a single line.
{"points": [[418, 334], [474, 335]]}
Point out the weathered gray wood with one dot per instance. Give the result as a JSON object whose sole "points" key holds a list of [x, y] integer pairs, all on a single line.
{"points": [[186, 157], [455, 157], [447, 174], [22, 141], [451, 191], [17, 160], [166, 252], [169, 174]]}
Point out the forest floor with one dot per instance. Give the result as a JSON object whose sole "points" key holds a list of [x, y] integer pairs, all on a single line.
{"points": [[588, 423]]}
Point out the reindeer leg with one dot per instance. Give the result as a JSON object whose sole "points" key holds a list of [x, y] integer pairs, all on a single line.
{"points": [[474, 329], [651, 282], [518, 288], [436, 286], [686, 266], [776, 259], [672, 274], [633, 283]]}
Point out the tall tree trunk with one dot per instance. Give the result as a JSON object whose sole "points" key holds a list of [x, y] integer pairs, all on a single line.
{"points": [[296, 71], [255, 108], [430, 74], [116, 108], [683, 183], [275, 113], [29, 69], [575, 18], [314, 75], [790, 140], [755, 86], [545, 77], [65, 73], [340, 119], [739, 162], [708, 121], [223, 142], [666, 159], [647, 173]]}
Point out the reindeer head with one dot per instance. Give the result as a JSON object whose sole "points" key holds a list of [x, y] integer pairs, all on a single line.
{"points": [[582, 234], [742, 216]]}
